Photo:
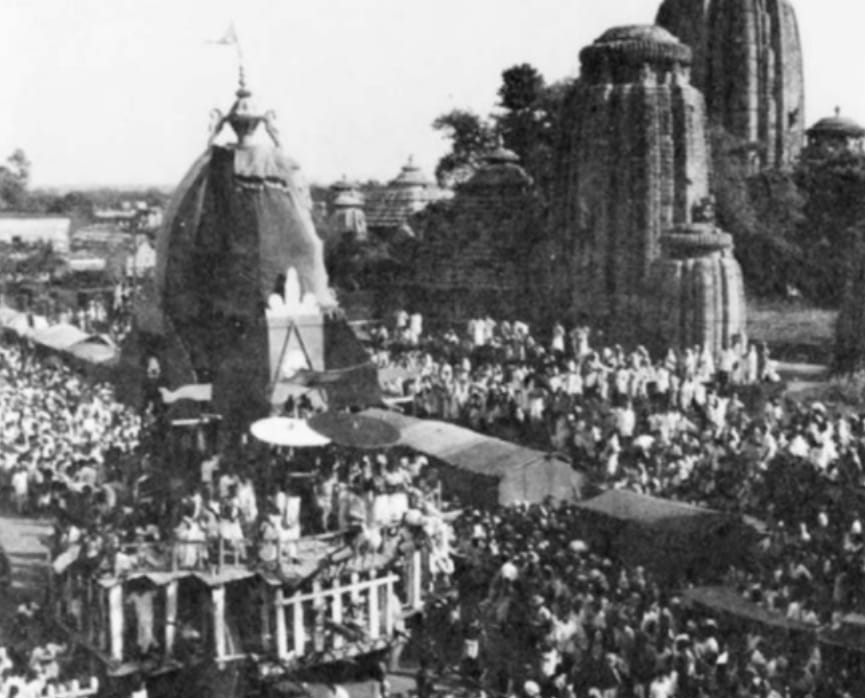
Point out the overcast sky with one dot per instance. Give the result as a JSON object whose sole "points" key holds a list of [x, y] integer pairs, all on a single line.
{"points": [[118, 92]]}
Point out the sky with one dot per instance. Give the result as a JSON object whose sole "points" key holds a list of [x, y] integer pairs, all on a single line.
{"points": [[119, 92]]}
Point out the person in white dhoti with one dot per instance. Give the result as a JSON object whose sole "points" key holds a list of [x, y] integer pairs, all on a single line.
{"points": [[230, 531], [190, 549], [289, 528], [268, 549]]}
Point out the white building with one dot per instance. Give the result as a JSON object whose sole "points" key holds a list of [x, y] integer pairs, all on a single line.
{"points": [[32, 230]]}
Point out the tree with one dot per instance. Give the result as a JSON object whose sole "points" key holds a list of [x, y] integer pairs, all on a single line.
{"points": [[763, 212], [527, 120], [833, 187], [470, 137], [522, 87], [530, 119], [14, 178]]}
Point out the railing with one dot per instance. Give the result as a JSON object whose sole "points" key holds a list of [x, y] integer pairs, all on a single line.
{"points": [[376, 594], [214, 554], [72, 689]]}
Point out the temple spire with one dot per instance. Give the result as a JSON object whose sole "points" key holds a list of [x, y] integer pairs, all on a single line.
{"points": [[242, 117]]}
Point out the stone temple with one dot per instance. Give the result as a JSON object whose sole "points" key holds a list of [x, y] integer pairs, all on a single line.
{"points": [[748, 64], [473, 252], [633, 202]]}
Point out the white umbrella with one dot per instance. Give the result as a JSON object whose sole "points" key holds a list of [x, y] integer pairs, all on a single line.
{"points": [[284, 431]]}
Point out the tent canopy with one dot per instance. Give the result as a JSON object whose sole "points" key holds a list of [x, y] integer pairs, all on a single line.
{"points": [[94, 350], [721, 599], [674, 538], [641, 509], [59, 337], [521, 474]]}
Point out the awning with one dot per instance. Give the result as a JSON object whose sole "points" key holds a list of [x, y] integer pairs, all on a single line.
{"points": [[628, 506], [198, 392], [720, 599], [522, 474], [94, 352]]}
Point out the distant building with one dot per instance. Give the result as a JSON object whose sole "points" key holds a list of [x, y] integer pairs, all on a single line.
{"points": [[473, 253], [100, 236], [143, 261], [346, 216], [34, 230], [410, 192], [834, 135], [139, 214]]}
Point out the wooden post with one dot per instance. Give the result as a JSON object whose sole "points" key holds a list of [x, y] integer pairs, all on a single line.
{"points": [[170, 616], [297, 619], [388, 606], [266, 638], [281, 639], [317, 629], [219, 621], [355, 592], [115, 621], [415, 581], [374, 624], [336, 613]]}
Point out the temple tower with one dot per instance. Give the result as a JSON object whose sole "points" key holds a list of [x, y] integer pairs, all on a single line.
{"points": [[695, 294], [474, 251], [347, 217], [748, 64], [640, 253], [634, 163]]}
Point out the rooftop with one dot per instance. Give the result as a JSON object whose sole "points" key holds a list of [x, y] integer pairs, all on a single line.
{"points": [[636, 44], [408, 193], [837, 125]]}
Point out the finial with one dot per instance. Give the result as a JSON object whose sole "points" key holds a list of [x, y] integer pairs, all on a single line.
{"points": [[837, 111], [241, 77]]}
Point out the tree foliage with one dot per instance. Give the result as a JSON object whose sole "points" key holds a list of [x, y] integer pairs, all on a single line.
{"points": [[526, 120], [470, 137], [14, 179], [834, 191], [765, 214]]}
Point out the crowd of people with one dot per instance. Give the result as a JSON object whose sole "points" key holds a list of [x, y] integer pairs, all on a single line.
{"points": [[58, 431], [686, 428], [106, 313], [498, 378], [533, 611], [41, 674], [528, 608]]}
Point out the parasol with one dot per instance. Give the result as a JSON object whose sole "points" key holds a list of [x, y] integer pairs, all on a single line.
{"points": [[355, 430], [284, 431]]}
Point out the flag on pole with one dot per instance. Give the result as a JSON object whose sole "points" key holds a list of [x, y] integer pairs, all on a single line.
{"points": [[229, 38]]}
